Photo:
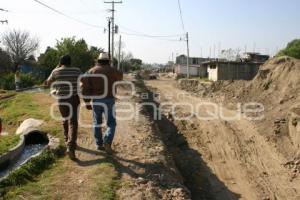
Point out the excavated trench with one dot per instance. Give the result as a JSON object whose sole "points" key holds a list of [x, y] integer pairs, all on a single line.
{"points": [[32, 144], [198, 177]]}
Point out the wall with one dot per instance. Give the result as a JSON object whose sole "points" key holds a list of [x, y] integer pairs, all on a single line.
{"points": [[183, 70], [202, 72], [237, 71]]}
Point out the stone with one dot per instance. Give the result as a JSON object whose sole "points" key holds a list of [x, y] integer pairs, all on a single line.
{"points": [[141, 180], [80, 181], [295, 122], [29, 125]]}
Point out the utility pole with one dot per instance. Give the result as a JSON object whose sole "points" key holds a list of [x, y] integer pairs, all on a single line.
{"points": [[188, 55], [113, 26], [122, 55], [173, 63], [119, 56], [109, 24]]}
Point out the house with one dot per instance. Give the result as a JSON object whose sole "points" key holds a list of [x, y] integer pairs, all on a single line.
{"points": [[231, 70], [28, 66], [195, 66]]}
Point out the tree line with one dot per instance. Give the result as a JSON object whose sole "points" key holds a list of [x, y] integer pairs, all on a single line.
{"points": [[19, 49]]}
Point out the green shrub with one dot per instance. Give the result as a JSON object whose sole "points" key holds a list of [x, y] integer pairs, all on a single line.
{"points": [[292, 49], [27, 80], [7, 81]]}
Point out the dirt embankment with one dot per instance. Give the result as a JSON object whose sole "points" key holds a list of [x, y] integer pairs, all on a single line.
{"points": [[255, 159], [276, 87], [233, 157]]}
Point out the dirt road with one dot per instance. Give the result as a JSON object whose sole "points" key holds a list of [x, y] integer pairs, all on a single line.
{"points": [[245, 164], [141, 167]]}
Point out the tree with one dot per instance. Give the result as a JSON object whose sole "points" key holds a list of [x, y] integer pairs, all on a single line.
{"points": [[19, 45], [125, 61], [82, 56], [5, 61], [48, 60], [292, 49], [136, 64]]}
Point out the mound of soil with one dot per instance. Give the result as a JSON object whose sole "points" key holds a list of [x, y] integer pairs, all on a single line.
{"points": [[278, 79], [277, 82], [276, 87]]}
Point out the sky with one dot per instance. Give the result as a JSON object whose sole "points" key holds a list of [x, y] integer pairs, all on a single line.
{"points": [[264, 26]]}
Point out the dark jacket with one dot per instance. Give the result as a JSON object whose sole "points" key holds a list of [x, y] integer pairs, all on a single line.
{"points": [[95, 86]]}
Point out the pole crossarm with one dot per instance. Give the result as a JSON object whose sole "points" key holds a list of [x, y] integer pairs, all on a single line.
{"points": [[4, 21]]}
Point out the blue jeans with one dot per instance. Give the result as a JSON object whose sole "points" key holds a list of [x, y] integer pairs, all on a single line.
{"points": [[104, 106]]}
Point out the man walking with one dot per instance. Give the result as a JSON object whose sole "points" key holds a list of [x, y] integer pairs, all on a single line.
{"points": [[18, 80], [97, 88], [65, 79]]}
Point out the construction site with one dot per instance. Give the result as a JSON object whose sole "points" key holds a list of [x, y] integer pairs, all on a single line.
{"points": [[98, 101]]}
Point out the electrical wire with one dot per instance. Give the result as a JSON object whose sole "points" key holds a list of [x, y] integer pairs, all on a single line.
{"points": [[149, 36], [67, 16], [3, 10], [137, 33], [181, 17]]}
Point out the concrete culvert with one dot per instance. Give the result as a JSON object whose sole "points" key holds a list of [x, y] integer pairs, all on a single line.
{"points": [[36, 137], [31, 144]]}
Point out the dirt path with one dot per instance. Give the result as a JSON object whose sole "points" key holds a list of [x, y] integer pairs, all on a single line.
{"points": [[242, 160], [141, 167]]}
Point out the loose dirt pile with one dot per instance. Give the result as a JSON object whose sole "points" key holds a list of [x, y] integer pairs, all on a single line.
{"points": [[277, 82], [277, 88], [244, 159]]}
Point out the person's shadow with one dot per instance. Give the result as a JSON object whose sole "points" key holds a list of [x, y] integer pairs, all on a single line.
{"points": [[87, 163]]}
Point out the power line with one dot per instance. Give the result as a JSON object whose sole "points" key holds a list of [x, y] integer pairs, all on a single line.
{"points": [[4, 21], [187, 41], [181, 17], [149, 36], [67, 16], [3, 10], [137, 33]]}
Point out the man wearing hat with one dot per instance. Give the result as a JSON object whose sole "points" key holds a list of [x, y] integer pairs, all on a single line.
{"points": [[65, 77], [97, 90]]}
